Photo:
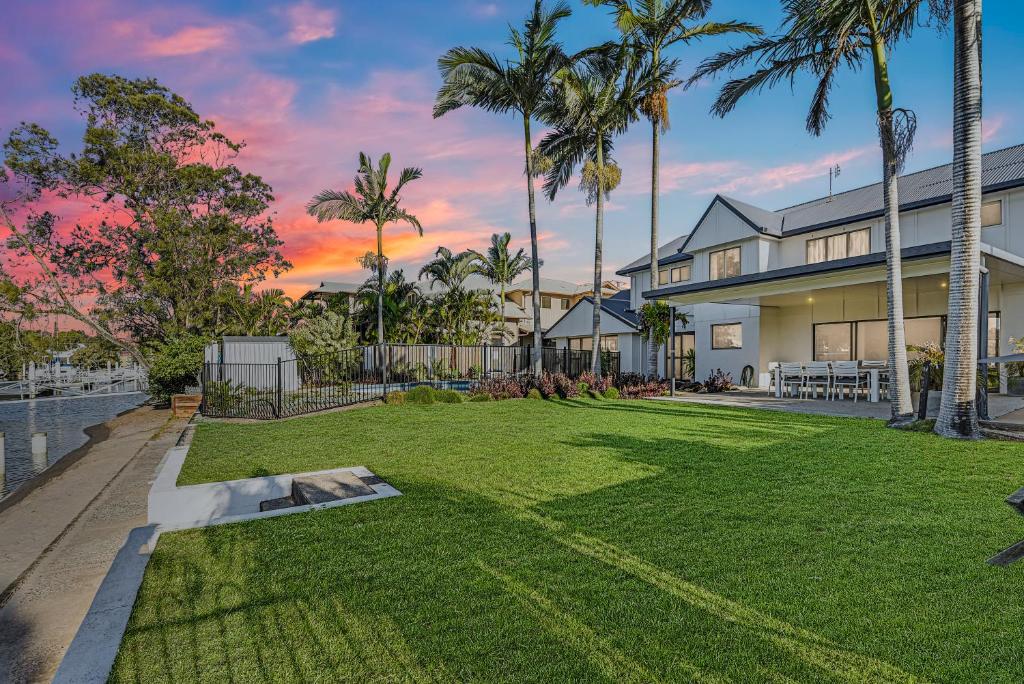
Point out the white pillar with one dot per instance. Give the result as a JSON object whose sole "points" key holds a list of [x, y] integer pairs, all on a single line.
{"points": [[39, 450]]}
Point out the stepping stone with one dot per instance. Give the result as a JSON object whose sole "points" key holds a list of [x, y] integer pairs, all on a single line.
{"points": [[276, 504], [316, 489], [1017, 500]]}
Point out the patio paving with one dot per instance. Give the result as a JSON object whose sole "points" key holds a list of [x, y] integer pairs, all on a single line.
{"points": [[1001, 407]]}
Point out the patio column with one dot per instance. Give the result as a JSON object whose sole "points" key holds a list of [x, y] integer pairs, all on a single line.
{"points": [[671, 370], [982, 398]]}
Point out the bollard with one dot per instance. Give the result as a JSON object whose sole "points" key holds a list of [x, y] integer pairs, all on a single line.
{"points": [[39, 450]]}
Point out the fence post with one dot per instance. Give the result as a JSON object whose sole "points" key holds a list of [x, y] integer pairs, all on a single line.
{"points": [[279, 395], [926, 380], [202, 391], [387, 363]]}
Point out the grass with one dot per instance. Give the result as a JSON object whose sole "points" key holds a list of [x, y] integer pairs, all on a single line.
{"points": [[596, 541]]}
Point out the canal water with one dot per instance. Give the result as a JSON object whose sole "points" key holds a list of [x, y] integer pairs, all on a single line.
{"points": [[63, 419]]}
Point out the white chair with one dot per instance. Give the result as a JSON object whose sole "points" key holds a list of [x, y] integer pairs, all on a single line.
{"points": [[791, 374], [816, 374], [848, 375], [772, 365], [883, 376]]}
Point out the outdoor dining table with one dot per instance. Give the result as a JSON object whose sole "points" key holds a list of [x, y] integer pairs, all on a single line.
{"points": [[874, 373]]}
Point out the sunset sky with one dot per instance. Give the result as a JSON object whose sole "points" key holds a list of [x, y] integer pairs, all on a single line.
{"points": [[307, 85]]}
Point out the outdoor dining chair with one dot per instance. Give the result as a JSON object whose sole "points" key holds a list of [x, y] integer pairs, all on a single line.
{"points": [[848, 375], [791, 374], [816, 374]]}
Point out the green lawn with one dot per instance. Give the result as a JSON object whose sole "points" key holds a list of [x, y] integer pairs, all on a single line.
{"points": [[589, 541]]}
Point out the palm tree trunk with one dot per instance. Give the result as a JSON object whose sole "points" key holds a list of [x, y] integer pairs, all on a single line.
{"points": [[902, 408], [598, 246], [538, 335], [958, 415], [501, 312], [380, 285], [652, 347]]}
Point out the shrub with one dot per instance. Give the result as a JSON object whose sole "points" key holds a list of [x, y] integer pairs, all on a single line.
{"points": [[594, 394], [174, 366], [501, 388], [564, 386], [582, 388], [636, 386], [718, 382], [448, 396], [545, 384], [479, 397], [396, 398], [421, 394], [611, 393], [534, 393]]}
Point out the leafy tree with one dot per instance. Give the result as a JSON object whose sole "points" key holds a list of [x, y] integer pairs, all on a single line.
{"points": [[823, 38], [596, 100], [175, 365], [371, 203], [173, 220], [501, 267], [476, 78], [324, 335], [958, 415], [96, 353], [655, 26]]}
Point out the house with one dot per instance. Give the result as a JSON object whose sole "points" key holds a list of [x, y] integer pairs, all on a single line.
{"points": [[557, 297], [619, 331], [808, 282], [329, 289]]}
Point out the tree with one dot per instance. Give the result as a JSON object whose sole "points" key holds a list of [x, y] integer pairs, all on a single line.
{"points": [[655, 324], [654, 26], [448, 269], [260, 313], [822, 38], [371, 203], [501, 267], [170, 222], [958, 414], [398, 299], [473, 77], [326, 335], [596, 100]]}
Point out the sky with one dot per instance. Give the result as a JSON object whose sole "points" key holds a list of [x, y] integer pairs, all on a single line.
{"points": [[308, 85]]}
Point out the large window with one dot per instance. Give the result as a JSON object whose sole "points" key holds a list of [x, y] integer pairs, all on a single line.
{"points": [[609, 343], [992, 213], [677, 274], [832, 247], [725, 263], [684, 343], [727, 336], [833, 342]]}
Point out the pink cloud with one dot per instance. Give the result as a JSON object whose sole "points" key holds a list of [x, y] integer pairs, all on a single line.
{"points": [[748, 181], [310, 23], [991, 126]]}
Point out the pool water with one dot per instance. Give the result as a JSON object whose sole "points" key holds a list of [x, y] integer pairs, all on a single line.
{"points": [[63, 420]]}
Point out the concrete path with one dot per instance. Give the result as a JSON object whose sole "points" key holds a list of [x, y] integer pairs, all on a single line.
{"points": [[57, 544]]}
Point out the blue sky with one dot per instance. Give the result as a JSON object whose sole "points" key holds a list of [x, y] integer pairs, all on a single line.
{"points": [[310, 84]]}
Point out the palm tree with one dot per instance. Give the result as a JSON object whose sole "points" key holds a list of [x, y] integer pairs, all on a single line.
{"points": [[958, 415], [597, 99], [371, 203], [654, 26], [449, 269], [476, 78], [501, 267], [821, 37], [396, 296]]}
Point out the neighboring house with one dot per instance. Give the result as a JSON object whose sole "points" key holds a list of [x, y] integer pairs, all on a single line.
{"points": [[557, 297], [808, 282], [329, 289], [618, 329]]}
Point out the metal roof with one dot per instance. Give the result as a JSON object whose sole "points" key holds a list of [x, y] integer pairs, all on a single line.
{"points": [[665, 252]]}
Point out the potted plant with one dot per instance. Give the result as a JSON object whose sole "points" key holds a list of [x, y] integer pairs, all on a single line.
{"points": [[917, 357]]}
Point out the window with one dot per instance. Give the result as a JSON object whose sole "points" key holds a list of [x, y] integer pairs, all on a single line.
{"points": [[832, 247], [680, 274], [727, 336], [545, 302], [922, 332], [565, 304], [833, 342], [993, 334], [992, 213], [609, 343], [873, 340], [663, 276], [684, 343], [725, 263]]}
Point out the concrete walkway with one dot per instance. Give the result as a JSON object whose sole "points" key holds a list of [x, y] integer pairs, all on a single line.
{"points": [[57, 543]]}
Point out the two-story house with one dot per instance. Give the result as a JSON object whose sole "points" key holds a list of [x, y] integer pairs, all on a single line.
{"points": [[808, 282]]}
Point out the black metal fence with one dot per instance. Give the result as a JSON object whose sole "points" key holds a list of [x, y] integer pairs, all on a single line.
{"points": [[309, 384]]}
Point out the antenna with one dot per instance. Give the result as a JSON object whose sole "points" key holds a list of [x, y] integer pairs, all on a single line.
{"points": [[833, 172]]}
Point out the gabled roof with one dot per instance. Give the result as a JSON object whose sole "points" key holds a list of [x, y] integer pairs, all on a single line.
{"points": [[616, 306], [666, 252], [331, 287], [1000, 170]]}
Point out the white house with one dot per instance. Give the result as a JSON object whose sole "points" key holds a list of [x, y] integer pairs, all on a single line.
{"points": [[808, 282]]}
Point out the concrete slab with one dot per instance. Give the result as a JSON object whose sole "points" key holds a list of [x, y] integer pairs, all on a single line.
{"points": [[98, 501], [317, 489]]}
